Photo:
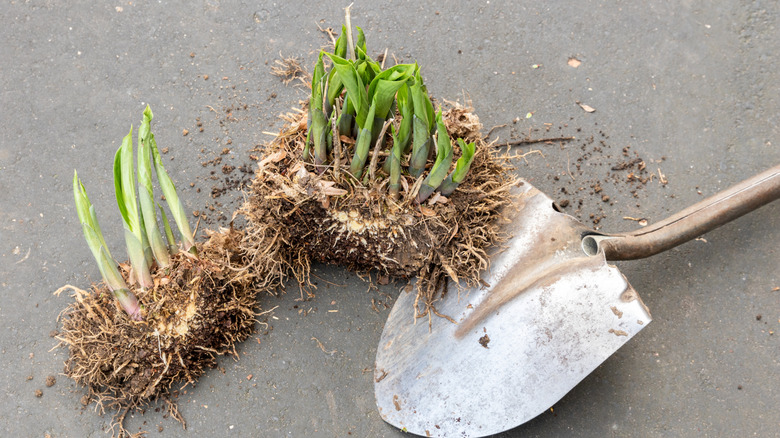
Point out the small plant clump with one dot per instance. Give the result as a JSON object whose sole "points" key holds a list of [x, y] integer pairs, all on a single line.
{"points": [[157, 323], [369, 175]]}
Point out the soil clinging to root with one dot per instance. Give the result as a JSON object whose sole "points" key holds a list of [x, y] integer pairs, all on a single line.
{"points": [[295, 215], [198, 309]]}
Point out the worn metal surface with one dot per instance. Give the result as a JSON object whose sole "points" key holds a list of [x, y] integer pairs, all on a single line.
{"points": [[550, 315]]}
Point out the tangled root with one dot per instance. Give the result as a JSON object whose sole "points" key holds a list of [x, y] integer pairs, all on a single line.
{"points": [[296, 216], [198, 309]]}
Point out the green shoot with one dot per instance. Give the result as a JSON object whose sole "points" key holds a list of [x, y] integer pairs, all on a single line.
{"points": [[172, 247], [422, 124], [367, 96], [97, 245], [320, 126], [172, 199], [442, 164], [395, 164], [124, 185], [146, 193], [461, 168], [362, 146]]}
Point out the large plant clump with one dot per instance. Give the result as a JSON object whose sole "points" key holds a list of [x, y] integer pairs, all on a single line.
{"points": [[369, 176], [157, 323]]}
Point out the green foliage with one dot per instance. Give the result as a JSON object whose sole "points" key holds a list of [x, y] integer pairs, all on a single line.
{"points": [[142, 234], [124, 185], [367, 95], [461, 168], [146, 193], [97, 245], [442, 164]]}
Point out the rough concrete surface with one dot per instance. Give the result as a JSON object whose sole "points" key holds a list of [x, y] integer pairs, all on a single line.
{"points": [[690, 87]]}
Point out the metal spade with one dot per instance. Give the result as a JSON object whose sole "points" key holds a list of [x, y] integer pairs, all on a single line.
{"points": [[551, 311]]}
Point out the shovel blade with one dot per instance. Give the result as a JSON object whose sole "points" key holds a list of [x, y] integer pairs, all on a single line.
{"points": [[548, 318]]}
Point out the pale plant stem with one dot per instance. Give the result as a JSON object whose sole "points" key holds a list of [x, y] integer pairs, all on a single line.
{"points": [[375, 156]]}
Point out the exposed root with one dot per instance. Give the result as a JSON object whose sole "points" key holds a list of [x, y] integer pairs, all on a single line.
{"points": [[295, 216], [199, 308], [289, 69]]}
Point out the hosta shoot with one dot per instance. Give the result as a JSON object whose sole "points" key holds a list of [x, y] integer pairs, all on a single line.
{"points": [[423, 124], [442, 164], [366, 96], [394, 162], [172, 199], [97, 245], [146, 194], [143, 239], [124, 185], [461, 168]]}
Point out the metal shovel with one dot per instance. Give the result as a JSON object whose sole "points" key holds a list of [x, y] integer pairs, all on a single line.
{"points": [[552, 311]]}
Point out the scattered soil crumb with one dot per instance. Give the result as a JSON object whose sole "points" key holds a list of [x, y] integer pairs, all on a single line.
{"points": [[484, 341], [50, 381], [38, 393]]}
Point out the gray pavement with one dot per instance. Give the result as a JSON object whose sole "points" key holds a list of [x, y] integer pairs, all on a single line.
{"points": [[691, 88]]}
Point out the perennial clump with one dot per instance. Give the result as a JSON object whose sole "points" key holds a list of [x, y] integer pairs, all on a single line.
{"points": [[163, 318], [369, 174]]}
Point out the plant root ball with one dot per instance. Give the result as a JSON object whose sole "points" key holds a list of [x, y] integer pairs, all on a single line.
{"points": [[295, 215], [199, 308]]}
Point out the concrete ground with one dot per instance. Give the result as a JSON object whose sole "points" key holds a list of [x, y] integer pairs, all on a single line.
{"points": [[690, 87]]}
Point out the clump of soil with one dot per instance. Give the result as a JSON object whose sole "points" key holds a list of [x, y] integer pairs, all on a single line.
{"points": [[199, 308], [296, 215]]}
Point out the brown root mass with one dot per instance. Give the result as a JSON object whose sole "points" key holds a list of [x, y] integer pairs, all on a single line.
{"points": [[296, 216], [198, 309]]}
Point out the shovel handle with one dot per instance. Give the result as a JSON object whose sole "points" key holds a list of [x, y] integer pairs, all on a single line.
{"points": [[696, 220]]}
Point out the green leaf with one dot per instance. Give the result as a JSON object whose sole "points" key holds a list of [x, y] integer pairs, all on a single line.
{"points": [[340, 48], [118, 177], [172, 199], [335, 86], [423, 108], [395, 165], [319, 133], [146, 194], [315, 101], [356, 90], [168, 232], [406, 108], [145, 242], [86, 211], [135, 253], [361, 40], [383, 88], [442, 164], [461, 168], [362, 147], [124, 185], [421, 137]]}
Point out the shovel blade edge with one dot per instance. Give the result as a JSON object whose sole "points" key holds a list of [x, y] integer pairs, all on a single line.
{"points": [[549, 317]]}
